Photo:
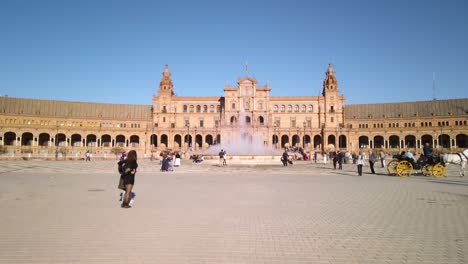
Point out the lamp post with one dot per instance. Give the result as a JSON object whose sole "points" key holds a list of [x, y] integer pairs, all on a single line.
{"points": [[195, 139], [275, 139], [304, 135], [56, 144], [216, 134], [187, 125]]}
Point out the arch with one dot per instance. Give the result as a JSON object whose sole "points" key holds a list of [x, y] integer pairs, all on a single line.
{"points": [[153, 140], [394, 141], [331, 140], [178, 141], [164, 140], [274, 140], [283, 108], [295, 140], [303, 108], [461, 141], [9, 139], [218, 139], [106, 140], [27, 139], [275, 108], [261, 120], [289, 108], [185, 108], [379, 142], [188, 140], [311, 108], [284, 141], [44, 140], [134, 141], [91, 140], [444, 140], [296, 108], [306, 140], [198, 141], [120, 141], [317, 141], [233, 120], [247, 120], [209, 139], [426, 139], [61, 139], [363, 142], [198, 108], [342, 142], [205, 108], [410, 141]]}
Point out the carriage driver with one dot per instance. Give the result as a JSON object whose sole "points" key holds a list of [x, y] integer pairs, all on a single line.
{"points": [[427, 151]]}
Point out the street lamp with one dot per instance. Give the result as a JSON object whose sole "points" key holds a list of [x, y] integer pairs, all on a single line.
{"points": [[216, 134], [187, 125], [56, 144], [195, 139], [304, 135], [274, 135]]}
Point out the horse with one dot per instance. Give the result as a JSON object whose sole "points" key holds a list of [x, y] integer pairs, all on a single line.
{"points": [[458, 159]]}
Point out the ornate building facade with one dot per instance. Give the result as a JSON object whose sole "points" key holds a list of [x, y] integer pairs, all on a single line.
{"points": [[42, 128]]}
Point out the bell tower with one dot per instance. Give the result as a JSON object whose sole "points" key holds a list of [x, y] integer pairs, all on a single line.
{"points": [[166, 87], [330, 84]]}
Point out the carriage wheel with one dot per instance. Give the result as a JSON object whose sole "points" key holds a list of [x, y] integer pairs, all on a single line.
{"points": [[438, 171], [404, 168], [391, 167], [427, 170]]}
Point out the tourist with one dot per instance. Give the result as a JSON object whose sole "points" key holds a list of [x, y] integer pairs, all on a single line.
{"points": [[284, 158], [359, 163], [130, 165], [315, 156], [224, 158], [371, 161], [325, 159], [88, 156], [340, 160], [382, 158], [177, 160], [409, 156], [335, 159], [164, 162], [221, 157]]}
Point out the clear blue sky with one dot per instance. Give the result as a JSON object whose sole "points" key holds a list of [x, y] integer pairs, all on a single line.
{"points": [[114, 51]]}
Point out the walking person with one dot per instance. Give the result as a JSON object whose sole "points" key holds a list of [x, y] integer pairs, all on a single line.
{"points": [[221, 157], [371, 161], [284, 158], [335, 159], [130, 164], [340, 160], [224, 158], [382, 158], [359, 163]]}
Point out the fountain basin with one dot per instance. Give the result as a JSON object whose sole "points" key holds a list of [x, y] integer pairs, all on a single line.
{"points": [[245, 159]]}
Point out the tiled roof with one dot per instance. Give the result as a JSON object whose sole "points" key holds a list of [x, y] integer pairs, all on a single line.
{"points": [[64, 109], [408, 109]]}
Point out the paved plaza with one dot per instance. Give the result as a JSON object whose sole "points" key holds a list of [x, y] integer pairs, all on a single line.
{"points": [[68, 212]]}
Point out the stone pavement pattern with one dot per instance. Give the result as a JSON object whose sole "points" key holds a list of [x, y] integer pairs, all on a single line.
{"points": [[68, 212]]}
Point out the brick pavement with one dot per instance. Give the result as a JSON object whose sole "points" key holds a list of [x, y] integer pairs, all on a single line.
{"points": [[68, 212]]}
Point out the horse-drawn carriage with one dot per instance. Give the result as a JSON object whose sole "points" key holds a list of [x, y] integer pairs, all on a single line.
{"points": [[404, 167]]}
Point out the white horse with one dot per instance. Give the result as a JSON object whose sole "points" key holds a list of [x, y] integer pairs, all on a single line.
{"points": [[458, 159]]}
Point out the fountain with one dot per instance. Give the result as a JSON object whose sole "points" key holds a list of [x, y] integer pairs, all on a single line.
{"points": [[243, 145]]}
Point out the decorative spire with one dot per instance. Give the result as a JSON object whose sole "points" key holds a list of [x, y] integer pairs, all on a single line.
{"points": [[166, 84], [330, 83]]}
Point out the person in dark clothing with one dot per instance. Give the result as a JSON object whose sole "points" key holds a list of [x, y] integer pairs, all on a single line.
{"points": [[335, 159], [130, 164], [371, 161], [340, 160], [284, 158]]}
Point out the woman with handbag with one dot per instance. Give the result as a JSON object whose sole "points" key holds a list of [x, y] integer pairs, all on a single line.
{"points": [[130, 165]]}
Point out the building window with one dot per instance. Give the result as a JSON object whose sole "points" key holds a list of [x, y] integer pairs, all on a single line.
{"points": [[311, 108], [201, 123], [289, 108], [283, 108], [191, 108], [233, 106], [275, 108], [260, 106], [218, 107], [198, 108], [205, 108], [303, 108], [296, 108], [212, 108], [332, 119]]}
